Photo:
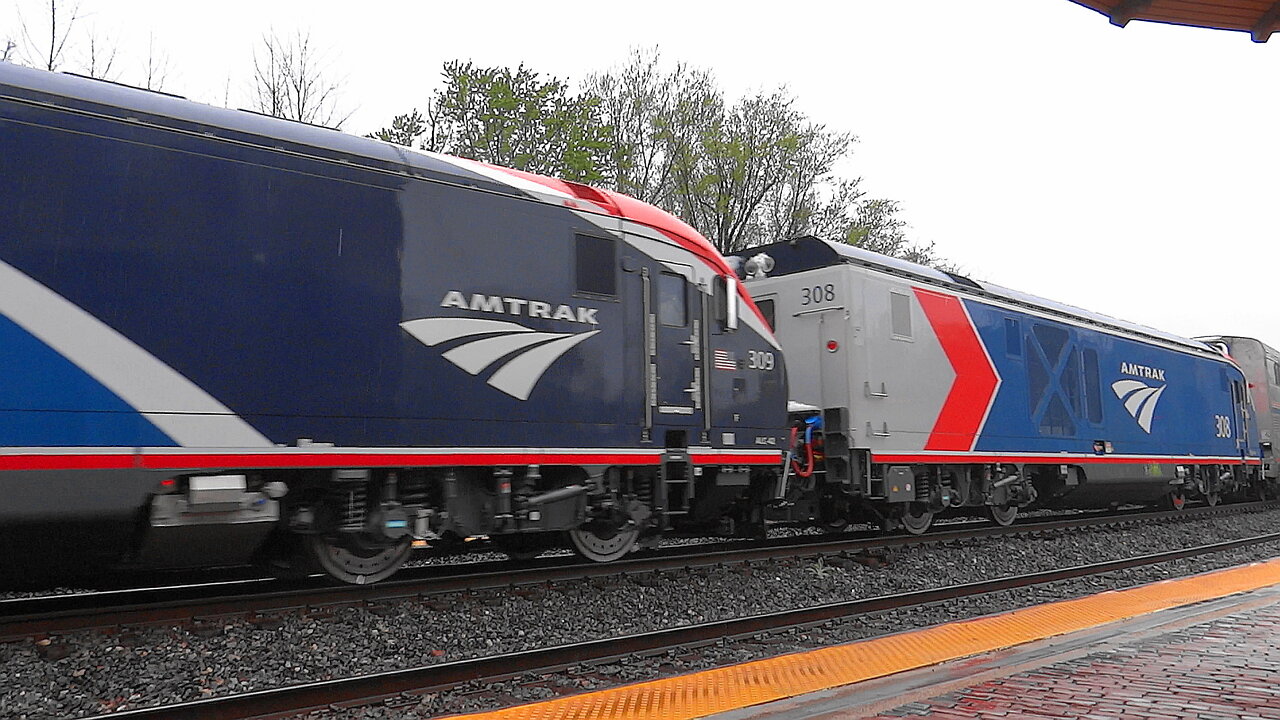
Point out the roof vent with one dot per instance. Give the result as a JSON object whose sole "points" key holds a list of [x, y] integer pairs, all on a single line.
{"points": [[962, 280], [586, 192]]}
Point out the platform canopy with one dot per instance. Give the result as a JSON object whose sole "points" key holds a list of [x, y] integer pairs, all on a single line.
{"points": [[1259, 18]]}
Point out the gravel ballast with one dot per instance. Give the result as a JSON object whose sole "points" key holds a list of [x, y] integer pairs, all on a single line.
{"points": [[90, 673]]}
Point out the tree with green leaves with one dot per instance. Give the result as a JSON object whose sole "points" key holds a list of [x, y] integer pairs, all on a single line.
{"points": [[512, 118], [740, 173], [655, 116], [878, 227], [750, 172]]}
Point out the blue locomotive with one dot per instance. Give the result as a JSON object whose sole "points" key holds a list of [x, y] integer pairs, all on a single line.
{"points": [[225, 336], [937, 393]]}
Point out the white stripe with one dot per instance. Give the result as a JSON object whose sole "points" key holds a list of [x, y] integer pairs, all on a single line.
{"points": [[1053, 455], [323, 450], [173, 403], [493, 173], [518, 376], [995, 392], [433, 331], [661, 248], [480, 354]]}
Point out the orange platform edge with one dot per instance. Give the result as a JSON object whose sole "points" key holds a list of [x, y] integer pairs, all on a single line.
{"points": [[737, 686]]}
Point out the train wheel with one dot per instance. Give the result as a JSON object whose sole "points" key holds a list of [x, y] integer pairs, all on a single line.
{"points": [[916, 519], [1002, 515], [600, 543], [347, 561], [1212, 498], [1177, 500]]}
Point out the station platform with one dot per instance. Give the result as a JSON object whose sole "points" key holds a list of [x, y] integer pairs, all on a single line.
{"points": [[1216, 660], [1205, 647]]}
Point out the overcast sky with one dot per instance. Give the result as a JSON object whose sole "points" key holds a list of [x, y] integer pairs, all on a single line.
{"points": [[1132, 172]]}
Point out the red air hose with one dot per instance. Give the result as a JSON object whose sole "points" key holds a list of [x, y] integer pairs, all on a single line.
{"points": [[808, 451]]}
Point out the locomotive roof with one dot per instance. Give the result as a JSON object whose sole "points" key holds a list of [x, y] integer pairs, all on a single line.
{"points": [[1267, 349], [249, 127], [810, 253]]}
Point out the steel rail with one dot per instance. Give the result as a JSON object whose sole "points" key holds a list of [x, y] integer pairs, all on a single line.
{"points": [[377, 687], [38, 617]]}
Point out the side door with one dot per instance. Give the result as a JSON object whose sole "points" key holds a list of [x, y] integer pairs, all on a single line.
{"points": [[1241, 405], [675, 328]]}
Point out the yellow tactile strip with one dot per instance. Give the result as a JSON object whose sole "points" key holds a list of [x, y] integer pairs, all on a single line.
{"points": [[737, 686]]}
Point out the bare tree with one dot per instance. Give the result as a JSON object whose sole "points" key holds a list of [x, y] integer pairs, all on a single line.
{"points": [[292, 80], [102, 57], [45, 41], [156, 70]]}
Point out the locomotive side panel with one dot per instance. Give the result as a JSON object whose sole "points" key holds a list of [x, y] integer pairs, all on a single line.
{"points": [[1067, 387], [900, 381], [243, 324], [962, 396], [284, 298]]}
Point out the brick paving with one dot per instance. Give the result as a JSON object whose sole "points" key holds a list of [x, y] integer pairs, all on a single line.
{"points": [[1225, 669]]}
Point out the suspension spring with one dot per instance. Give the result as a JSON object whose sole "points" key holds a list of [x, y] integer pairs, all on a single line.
{"points": [[349, 500], [413, 488], [924, 486], [643, 485]]}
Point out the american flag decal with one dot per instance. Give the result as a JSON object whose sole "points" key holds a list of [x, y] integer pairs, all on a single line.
{"points": [[724, 360]]}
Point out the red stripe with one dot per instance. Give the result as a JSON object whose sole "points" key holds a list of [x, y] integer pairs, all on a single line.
{"points": [[67, 462], [966, 405], [195, 461], [728, 458], [288, 460], [1059, 459]]}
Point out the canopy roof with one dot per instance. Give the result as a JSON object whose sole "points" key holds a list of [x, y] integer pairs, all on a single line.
{"points": [[1259, 18]]}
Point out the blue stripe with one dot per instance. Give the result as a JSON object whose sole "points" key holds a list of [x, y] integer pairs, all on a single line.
{"points": [[46, 401]]}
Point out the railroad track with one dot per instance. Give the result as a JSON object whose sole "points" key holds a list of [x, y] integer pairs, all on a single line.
{"points": [[404, 686], [263, 597]]}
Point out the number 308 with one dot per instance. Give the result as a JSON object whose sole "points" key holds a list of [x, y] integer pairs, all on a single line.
{"points": [[817, 294]]}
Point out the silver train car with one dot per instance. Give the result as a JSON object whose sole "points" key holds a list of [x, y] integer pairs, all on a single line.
{"points": [[921, 392]]}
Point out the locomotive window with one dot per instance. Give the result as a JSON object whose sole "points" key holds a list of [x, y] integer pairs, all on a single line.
{"points": [[672, 302], [596, 268], [1070, 382], [900, 315], [1092, 387], [1037, 380], [1275, 372], [1052, 340], [1054, 405], [1057, 419], [767, 309], [1012, 337]]}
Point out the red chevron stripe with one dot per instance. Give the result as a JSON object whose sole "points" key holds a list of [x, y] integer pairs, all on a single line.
{"points": [[965, 409]]}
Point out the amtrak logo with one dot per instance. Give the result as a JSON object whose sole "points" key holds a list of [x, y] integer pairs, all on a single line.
{"points": [[1139, 399], [527, 352]]}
